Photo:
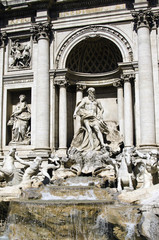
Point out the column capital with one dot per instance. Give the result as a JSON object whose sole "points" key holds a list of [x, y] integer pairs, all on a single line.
{"points": [[156, 19], [143, 18], [41, 31], [80, 87], [127, 77], [60, 77], [60, 81], [118, 83], [3, 39]]}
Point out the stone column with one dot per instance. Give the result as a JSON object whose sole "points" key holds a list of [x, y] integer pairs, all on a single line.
{"points": [[53, 115], [120, 100], [128, 110], [62, 115], [143, 23], [3, 38], [79, 96], [155, 54], [42, 139]]}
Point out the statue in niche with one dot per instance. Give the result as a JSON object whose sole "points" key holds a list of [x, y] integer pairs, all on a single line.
{"points": [[90, 136], [20, 56], [20, 122], [96, 141]]}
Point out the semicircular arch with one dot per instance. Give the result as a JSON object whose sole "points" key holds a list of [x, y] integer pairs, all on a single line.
{"points": [[108, 32]]}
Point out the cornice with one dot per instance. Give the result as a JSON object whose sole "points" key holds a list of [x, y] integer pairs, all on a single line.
{"points": [[106, 78], [19, 78], [75, 4], [18, 8]]}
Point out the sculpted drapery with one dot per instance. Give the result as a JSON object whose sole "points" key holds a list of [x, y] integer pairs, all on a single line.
{"points": [[20, 122]]}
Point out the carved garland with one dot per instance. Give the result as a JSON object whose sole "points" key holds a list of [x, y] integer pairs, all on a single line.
{"points": [[95, 29]]}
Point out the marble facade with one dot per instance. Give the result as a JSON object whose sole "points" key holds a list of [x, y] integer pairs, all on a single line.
{"points": [[49, 52]]}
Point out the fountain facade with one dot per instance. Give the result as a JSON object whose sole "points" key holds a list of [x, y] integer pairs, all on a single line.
{"points": [[79, 119]]}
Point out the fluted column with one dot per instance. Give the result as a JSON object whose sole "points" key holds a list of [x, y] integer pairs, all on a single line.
{"points": [[79, 96], [62, 115], [143, 23], [120, 100], [42, 140], [128, 110], [3, 38]]}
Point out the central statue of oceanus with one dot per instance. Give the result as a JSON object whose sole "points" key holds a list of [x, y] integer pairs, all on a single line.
{"points": [[96, 140], [90, 135]]}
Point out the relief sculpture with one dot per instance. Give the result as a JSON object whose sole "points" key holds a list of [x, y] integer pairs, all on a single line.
{"points": [[20, 55]]}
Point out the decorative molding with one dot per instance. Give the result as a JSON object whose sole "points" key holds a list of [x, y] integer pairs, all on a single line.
{"points": [[18, 78], [41, 31], [94, 32], [61, 5], [17, 81], [118, 84]]}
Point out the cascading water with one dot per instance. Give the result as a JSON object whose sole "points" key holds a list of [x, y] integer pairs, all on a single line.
{"points": [[83, 212], [69, 220]]}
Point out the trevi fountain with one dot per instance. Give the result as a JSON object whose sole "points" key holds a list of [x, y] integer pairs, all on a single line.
{"points": [[79, 120]]}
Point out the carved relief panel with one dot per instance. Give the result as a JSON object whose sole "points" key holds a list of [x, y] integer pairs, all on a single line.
{"points": [[19, 54]]}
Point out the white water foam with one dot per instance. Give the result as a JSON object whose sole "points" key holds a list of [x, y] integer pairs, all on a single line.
{"points": [[154, 199], [89, 195], [84, 184], [130, 228], [4, 237]]}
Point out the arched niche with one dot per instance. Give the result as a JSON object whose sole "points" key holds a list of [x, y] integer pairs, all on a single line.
{"points": [[94, 55], [91, 56], [108, 32]]}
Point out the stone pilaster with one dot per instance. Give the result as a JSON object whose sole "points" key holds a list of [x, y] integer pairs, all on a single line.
{"points": [[79, 96], [120, 100], [62, 83], [3, 41], [143, 22], [41, 33], [128, 110]]}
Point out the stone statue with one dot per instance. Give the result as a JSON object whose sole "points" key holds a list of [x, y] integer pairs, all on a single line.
{"points": [[8, 171], [90, 135], [147, 166], [33, 168], [54, 163], [20, 122], [125, 175], [93, 144], [20, 56]]}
